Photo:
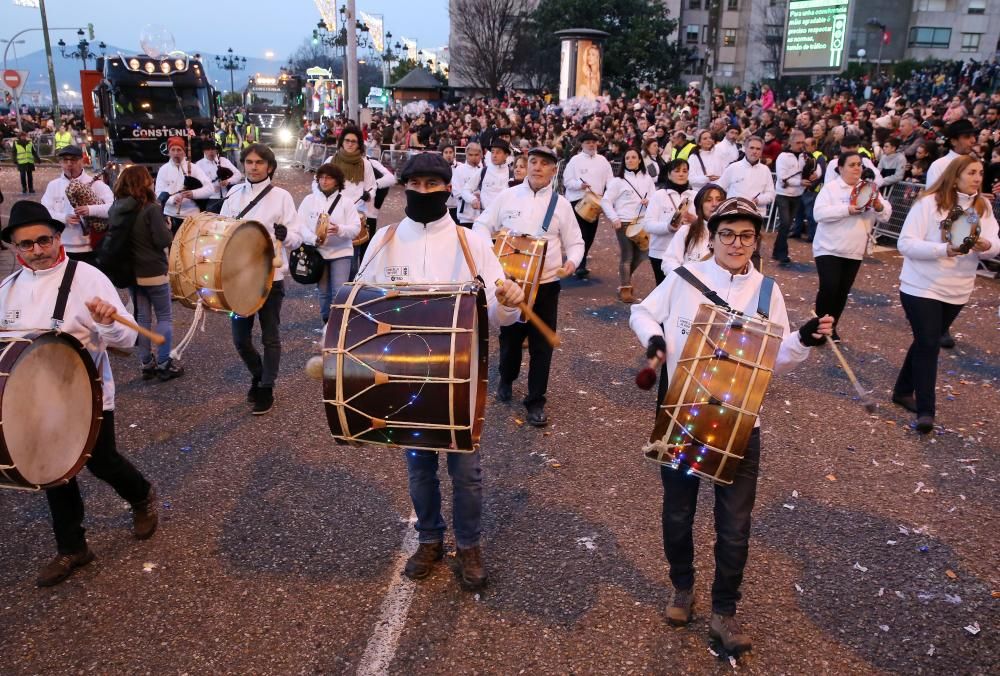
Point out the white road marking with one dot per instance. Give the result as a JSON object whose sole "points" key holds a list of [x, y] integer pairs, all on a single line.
{"points": [[381, 648]]}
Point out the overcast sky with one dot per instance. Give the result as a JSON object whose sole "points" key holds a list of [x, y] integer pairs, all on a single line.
{"points": [[250, 27]]}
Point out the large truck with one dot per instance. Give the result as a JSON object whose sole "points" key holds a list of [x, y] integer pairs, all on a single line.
{"points": [[133, 104], [276, 106]]}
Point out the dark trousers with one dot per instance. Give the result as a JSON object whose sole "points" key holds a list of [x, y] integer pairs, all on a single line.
{"points": [[786, 206], [658, 272], [929, 319], [836, 277], [27, 177], [175, 223], [539, 351], [66, 503], [589, 231], [263, 370], [89, 257], [733, 505], [359, 251]]}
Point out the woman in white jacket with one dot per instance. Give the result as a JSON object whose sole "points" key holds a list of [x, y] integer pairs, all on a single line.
{"points": [[691, 243], [625, 201], [660, 214], [937, 278], [842, 234], [335, 244]]}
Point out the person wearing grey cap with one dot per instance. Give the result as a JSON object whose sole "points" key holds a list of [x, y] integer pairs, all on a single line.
{"points": [[428, 247], [534, 208]]}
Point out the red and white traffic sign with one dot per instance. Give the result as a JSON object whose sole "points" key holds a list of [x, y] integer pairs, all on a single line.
{"points": [[12, 78]]}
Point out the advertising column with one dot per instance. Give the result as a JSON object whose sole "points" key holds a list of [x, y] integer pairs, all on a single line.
{"points": [[580, 63]]}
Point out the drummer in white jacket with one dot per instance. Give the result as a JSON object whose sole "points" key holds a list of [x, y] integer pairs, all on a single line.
{"points": [[658, 220], [327, 205], [625, 201], [937, 277], [691, 241], [662, 323], [842, 234]]}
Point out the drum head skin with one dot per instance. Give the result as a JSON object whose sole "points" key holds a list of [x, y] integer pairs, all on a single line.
{"points": [[48, 410], [247, 268]]}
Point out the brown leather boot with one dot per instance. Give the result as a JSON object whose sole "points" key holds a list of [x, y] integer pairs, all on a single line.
{"points": [[61, 567], [422, 562], [681, 608], [726, 632], [469, 568], [145, 517], [625, 294]]}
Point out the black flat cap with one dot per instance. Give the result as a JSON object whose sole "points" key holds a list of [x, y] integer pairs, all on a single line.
{"points": [[545, 152], [498, 142], [70, 151], [426, 164]]}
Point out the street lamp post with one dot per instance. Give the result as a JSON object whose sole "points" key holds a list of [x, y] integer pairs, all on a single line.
{"points": [[874, 22], [348, 49], [83, 51], [232, 63]]}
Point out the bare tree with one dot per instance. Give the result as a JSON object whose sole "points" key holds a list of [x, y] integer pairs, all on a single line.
{"points": [[485, 41], [767, 31]]}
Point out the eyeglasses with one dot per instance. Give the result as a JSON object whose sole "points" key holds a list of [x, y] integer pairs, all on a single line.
{"points": [[747, 237], [45, 241], [350, 140]]}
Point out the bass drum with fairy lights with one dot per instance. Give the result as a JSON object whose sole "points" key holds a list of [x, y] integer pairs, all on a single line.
{"points": [[225, 263], [715, 394], [406, 365]]}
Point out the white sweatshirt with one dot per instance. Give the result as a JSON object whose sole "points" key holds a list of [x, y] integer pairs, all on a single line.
{"points": [[623, 197], [729, 151], [276, 207], [521, 210], [494, 182], [59, 207], [344, 216], [786, 165], [459, 177], [938, 166], [28, 298], [656, 221], [714, 162], [838, 233], [427, 253], [386, 181], [170, 179], [754, 182], [670, 308], [676, 254], [211, 169], [594, 170], [928, 271]]}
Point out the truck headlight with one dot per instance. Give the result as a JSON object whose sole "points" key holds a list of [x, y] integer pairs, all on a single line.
{"points": [[285, 135]]}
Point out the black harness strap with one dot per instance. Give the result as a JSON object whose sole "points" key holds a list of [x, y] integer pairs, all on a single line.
{"points": [[763, 295], [63, 296]]}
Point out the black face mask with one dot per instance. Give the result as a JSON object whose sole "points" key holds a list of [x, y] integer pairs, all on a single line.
{"points": [[426, 207]]}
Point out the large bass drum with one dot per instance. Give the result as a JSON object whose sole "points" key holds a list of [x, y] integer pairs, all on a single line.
{"points": [[406, 365], [225, 263], [715, 394], [51, 403]]}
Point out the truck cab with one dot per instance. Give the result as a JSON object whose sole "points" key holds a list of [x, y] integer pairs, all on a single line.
{"points": [[275, 106]]}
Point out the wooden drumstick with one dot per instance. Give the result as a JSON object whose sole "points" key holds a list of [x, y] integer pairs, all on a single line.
{"points": [[154, 337], [862, 393], [547, 333]]}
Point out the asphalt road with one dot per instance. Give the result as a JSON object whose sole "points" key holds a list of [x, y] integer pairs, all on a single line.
{"points": [[278, 551]]}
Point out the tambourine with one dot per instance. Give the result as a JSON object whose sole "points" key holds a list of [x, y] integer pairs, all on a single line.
{"points": [[863, 195], [961, 229], [675, 220]]}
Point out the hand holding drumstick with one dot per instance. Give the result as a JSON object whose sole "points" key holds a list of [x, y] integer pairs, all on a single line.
{"points": [[105, 313]]}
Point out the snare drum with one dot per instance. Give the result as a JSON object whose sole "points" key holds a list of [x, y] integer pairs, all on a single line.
{"points": [[961, 229], [522, 258], [406, 365], [715, 394], [589, 206], [50, 405], [863, 195], [635, 232], [225, 263]]}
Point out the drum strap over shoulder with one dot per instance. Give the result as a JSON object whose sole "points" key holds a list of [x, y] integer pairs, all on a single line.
{"points": [[550, 211], [63, 296], [763, 295], [329, 212], [255, 201]]}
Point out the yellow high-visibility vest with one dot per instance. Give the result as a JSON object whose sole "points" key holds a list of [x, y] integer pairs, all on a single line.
{"points": [[25, 153], [63, 140]]}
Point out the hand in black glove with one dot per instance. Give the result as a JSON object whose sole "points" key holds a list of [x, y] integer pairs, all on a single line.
{"points": [[656, 344], [365, 196], [806, 332], [280, 232]]}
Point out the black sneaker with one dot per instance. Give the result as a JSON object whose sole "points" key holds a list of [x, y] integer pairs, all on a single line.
{"points": [[252, 392], [925, 424], [148, 369], [947, 342], [264, 401], [835, 337], [726, 633], [582, 273], [537, 417], [145, 517], [505, 391], [422, 562], [169, 370], [61, 567]]}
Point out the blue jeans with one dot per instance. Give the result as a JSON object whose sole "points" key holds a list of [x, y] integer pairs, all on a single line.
{"points": [[264, 369], [425, 493], [338, 271], [733, 505], [157, 299], [805, 224]]}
